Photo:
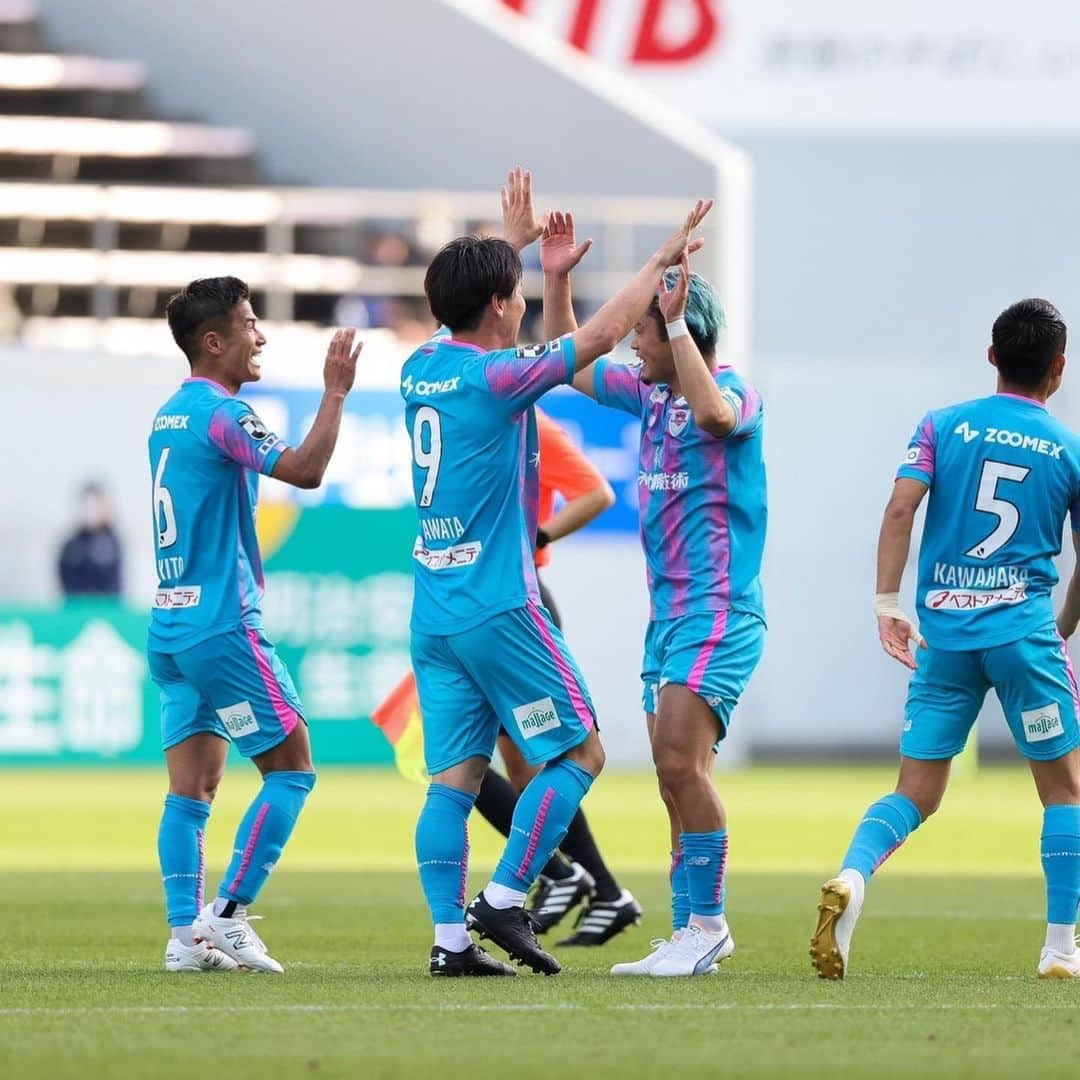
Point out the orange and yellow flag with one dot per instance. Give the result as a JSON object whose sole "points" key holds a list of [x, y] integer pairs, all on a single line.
{"points": [[399, 719]]}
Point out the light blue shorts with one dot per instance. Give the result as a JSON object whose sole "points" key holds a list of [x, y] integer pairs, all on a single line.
{"points": [[515, 671], [1034, 682], [232, 685], [713, 654]]}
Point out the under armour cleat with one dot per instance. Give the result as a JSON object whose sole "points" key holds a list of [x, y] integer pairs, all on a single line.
{"points": [[512, 930], [471, 961], [201, 956], [235, 938], [603, 919], [555, 898]]}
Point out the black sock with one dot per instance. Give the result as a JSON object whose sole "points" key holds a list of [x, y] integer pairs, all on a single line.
{"points": [[496, 801], [580, 846]]}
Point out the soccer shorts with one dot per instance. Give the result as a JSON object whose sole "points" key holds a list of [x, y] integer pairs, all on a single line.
{"points": [[514, 670], [232, 685], [713, 653], [1034, 682]]}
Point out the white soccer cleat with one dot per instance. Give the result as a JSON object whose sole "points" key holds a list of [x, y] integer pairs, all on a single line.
{"points": [[645, 965], [235, 938], [838, 911], [1055, 965], [693, 951], [201, 956]]}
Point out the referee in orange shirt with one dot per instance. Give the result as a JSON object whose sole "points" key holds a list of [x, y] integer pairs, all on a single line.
{"points": [[565, 470]]}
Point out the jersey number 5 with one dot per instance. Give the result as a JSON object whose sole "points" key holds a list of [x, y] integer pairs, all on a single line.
{"points": [[431, 458], [164, 515], [1007, 513]]}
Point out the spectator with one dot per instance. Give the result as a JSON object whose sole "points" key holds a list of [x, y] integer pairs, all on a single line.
{"points": [[91, 557]]}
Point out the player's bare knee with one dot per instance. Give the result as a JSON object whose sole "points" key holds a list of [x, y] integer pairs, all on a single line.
{"points": [[589, 755], [927, 798], [675, 769]]}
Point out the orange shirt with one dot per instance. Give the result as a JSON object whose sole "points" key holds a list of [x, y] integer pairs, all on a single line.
{"points": [[563, 469]]}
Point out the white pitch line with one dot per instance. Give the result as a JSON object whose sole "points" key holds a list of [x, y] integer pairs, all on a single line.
{"points": [[721, 1006]]}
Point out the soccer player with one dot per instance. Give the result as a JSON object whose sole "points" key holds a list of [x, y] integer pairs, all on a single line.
{"points": [[702, 512], [1003, 475], [484, 649], [586, 879], [219, 677]]}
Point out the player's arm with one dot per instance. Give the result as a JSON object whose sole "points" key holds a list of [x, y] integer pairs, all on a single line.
{"points": [[566, 469], [559, 254], [895, 628], [305, 466], [1069, 615], [713, 411], [616, 318]]}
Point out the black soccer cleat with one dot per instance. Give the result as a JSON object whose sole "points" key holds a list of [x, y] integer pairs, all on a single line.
{"points": [[511, 929], [603, 919], [555, 898], [471, 961]]}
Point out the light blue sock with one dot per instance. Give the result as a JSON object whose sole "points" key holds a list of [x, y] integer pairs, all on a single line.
{"points": [[264, 832], [1061, 863], [180, 853], [680, 893], [542, 815], [884, 827], [442, 851], [704, 855]]}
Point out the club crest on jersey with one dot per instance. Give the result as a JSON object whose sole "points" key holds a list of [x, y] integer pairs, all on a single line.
{"points": [[677, 421], [254, 427]]}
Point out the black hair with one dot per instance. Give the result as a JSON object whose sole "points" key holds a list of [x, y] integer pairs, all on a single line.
{"points": [[1026, 338], [465, 275], [206, 300]]}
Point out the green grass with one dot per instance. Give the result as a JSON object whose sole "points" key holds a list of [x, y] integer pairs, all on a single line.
{"points": [[944, 957]]}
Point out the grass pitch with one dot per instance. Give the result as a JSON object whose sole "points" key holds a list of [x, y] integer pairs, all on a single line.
{"points": [[944, 958]]}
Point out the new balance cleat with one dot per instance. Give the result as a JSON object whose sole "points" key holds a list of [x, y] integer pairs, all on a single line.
{"points": [[1055, 965], [471, 961], [235, 938], [513, 931], [645, 965], [201, 956], [693, 952], [838, 912], [555, 898], [603, 919]]}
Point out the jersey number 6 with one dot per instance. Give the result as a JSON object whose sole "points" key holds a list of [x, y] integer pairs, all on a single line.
{"points": [[164, 515], [1007, 513], [431, 458]]}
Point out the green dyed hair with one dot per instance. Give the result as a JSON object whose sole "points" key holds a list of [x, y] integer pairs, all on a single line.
{"points": [[704, 312]]}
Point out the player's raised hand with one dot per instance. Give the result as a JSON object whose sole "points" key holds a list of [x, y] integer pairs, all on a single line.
{"points": [[672, 250], [896, 634], [339, 371], [558, 252], [521, 226], [673, 301]]}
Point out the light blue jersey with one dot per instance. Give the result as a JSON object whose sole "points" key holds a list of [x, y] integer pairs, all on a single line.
{"points": [[206, 451], [1003, 476], [702, 499], [475, 476]]}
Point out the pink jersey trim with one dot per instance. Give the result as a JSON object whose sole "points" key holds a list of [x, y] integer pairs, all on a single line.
{"points": [[1021, 397], [462, 344], [701, 663], [1071, 673], [577, 699], [285, 712], [212, 382]]}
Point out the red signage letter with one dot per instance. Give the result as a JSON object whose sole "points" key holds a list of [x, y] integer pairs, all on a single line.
{"points": [[651, 49]]}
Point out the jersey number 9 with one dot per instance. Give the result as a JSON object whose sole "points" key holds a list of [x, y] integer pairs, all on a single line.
{"points": [[431, 458]]}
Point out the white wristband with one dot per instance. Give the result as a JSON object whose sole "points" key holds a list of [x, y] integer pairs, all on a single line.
{"points": [[677, 329]]}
